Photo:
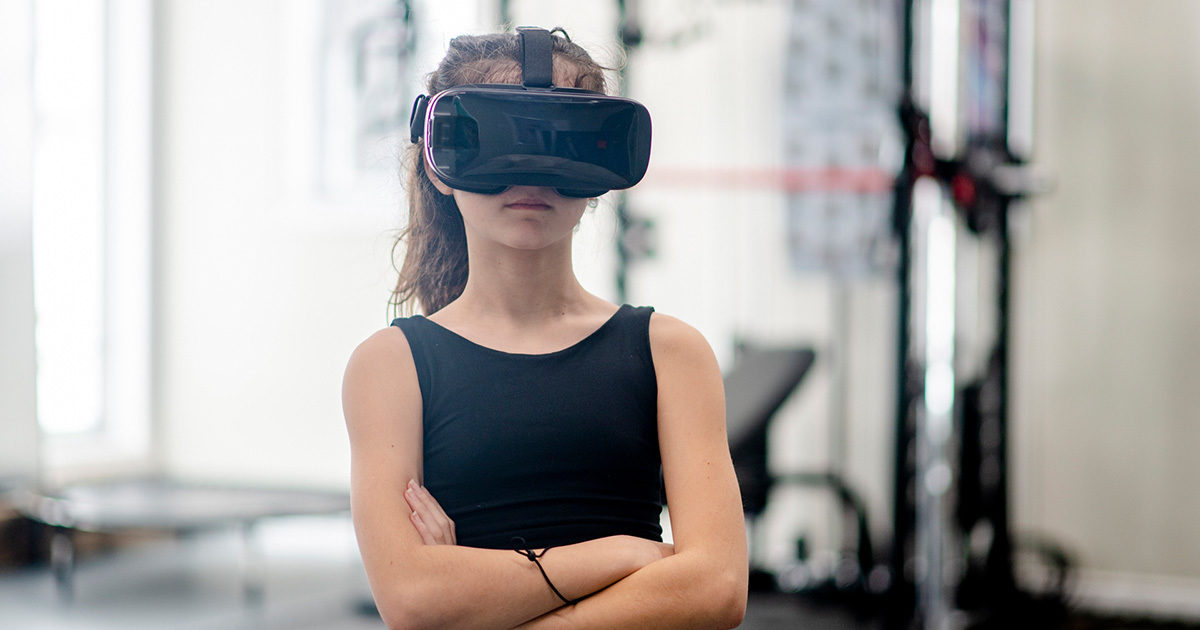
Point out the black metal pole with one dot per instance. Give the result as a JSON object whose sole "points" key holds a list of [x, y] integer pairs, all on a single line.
{"points": [[1001, 578], [999, 561], [630, 34], [901, 595]]}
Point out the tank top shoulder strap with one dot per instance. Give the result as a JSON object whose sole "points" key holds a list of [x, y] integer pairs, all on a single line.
{"points": [[633, 326], [422, 347]]}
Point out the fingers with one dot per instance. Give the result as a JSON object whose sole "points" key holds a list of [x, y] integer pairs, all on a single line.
{"points": [[430, 510], [423, 519], [428, 516], [427, 536]]}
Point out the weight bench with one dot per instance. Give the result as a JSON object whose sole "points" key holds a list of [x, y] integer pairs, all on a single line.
{"points": [[761, 381]]}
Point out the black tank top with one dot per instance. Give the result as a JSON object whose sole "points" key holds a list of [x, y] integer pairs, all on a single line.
{"points": [[555, 448]]}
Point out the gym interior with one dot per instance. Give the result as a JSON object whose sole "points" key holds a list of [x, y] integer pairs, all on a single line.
{"points": [[944, 250]]}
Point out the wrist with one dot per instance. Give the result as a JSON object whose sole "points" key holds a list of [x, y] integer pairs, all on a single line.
{"points": [[535, 557]]}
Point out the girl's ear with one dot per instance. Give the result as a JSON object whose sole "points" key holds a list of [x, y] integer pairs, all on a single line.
{"points": [[437, 183]]}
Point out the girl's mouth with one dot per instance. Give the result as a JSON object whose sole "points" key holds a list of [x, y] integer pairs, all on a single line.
{"points": [[529, 203]]}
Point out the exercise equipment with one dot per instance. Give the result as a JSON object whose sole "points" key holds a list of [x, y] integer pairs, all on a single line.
{"points": [[963, 167], [761, 380]]}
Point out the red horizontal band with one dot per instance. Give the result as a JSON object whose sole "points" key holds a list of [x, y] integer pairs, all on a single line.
{"points": [[862, 180]]}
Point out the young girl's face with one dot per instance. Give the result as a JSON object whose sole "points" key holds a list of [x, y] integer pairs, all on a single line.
{"points": [[522, 217]]}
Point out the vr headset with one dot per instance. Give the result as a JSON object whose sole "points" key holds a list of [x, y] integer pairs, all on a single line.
{"points": [[484, 138]]}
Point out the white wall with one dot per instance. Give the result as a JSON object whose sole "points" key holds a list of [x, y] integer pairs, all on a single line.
{"points": [[1108, 328], [18, 417], [262, 298]]}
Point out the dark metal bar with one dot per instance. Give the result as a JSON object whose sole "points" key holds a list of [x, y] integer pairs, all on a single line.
{"points": [[629, 32], [901, 595], [1001, 578]]}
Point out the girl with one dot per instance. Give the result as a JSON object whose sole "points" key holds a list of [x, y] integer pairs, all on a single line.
{"points": [[523, 413]]}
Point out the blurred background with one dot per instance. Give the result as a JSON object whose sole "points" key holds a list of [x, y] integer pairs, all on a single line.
{"points": [[944, 250]]}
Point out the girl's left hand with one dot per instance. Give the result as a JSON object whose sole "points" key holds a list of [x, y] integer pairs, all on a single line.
{"points": [[428, 517]]}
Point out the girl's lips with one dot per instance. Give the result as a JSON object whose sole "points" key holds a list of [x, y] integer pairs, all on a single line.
{"points": [[528, 204]]}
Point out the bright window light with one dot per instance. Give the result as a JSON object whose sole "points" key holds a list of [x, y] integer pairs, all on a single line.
{"points": [[68, 213], [91, 228]]}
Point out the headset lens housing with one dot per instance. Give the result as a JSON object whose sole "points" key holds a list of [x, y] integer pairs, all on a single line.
{"points": [[485, 138]]}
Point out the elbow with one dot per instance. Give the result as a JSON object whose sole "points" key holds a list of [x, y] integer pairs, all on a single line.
{"points": [[733, 608], [405, 610], [735, 612], [733, 591], [725, 599], [395, 617], [395, 623]]}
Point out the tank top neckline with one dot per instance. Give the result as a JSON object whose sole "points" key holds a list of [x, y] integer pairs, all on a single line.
{"points": [[608, 323]]}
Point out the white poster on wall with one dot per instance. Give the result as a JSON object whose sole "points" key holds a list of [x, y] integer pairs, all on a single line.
{"points": [[347, 89]]}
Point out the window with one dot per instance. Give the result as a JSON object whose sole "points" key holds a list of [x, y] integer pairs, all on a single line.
{"points": [[91, 228]]}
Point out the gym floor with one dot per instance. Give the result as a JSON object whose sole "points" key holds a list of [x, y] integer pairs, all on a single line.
{"points": [[310, 578], [197, 583]]}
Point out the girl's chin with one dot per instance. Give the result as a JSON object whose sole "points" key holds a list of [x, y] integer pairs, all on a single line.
{"points": [[530, 242], [529, 245], [532, 237]]}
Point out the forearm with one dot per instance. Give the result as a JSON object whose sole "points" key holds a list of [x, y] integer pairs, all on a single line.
{"points": [[443, 586], [682, 591]]}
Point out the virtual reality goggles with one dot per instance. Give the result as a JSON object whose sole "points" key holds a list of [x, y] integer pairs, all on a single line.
{"points": [[484, 138]]}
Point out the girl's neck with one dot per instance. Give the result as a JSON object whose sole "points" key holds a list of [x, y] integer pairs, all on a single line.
{"points": [[522, 285]]}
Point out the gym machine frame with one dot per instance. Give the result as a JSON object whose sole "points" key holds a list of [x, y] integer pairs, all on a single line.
{"points": [[985, 179]]}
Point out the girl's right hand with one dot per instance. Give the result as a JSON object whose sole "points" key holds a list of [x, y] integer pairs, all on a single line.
{"points": [[428, 517]]}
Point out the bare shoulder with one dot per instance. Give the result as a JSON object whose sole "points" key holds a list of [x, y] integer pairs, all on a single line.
{"points": [[672, 339], [691, 394], [380, 379], [384, 347], [385, 352]]}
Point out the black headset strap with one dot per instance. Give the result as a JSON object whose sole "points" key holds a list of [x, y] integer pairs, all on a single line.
{"points": [[416, 119], [537, 70], [537, 50]]}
